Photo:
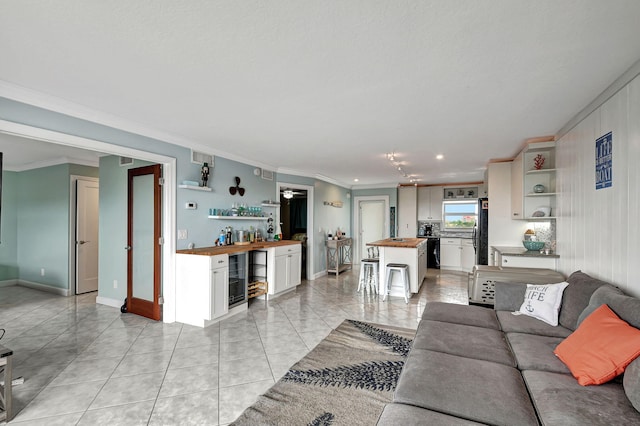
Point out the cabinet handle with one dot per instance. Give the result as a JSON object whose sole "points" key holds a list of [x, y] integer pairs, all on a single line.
{"points": [[516, 214], [220, 261], [504, 260]]}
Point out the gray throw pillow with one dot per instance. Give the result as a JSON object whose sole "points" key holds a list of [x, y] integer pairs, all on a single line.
{"points": [[612, 296], [631, 383]]}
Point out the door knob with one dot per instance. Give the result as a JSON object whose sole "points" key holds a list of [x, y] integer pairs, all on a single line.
{"points": [[81, 242], [127, 247]]}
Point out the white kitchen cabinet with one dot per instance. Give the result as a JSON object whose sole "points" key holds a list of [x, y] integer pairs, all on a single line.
{"points": [[202, 288], [219, 294], [516, 187], [407, 211], [528, 262], [284, 268], [468, 255], [430, 203], [450, 254], [457, 254]]}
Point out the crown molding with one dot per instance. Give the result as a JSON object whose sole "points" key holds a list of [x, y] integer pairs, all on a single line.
{"points": [[52, 162]]}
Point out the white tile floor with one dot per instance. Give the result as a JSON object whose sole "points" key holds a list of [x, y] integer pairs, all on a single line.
{"points": [[88, 364]]}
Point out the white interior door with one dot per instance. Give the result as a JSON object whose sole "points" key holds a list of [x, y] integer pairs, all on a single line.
{"points": [[372, 223], [87, 211]]}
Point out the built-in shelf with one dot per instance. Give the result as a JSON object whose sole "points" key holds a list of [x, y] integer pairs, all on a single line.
{"points": [[270, 205], [531, 219], [541, 194], [534, 171], [195, 188], [237, 217]]}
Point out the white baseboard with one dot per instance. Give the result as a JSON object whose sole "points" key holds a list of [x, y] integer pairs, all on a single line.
{"points": [[8, 283], [43, 287], [318, 275], [114, 303]]}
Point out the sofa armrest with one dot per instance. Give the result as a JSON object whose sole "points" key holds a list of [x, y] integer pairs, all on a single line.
{"points": [[509, 296]]}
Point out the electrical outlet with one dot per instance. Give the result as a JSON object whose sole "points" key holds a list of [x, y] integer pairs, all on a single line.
{"points": [[115, 283], [42, 272], [182, 234]]}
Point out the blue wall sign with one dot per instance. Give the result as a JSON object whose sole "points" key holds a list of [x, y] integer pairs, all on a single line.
{"points": [[604, 157]]}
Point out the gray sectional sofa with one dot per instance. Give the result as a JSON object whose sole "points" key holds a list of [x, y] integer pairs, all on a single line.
{"points": [[475, 365]]}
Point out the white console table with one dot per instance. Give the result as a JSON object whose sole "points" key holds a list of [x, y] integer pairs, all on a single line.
{"points": [[339, 255]]}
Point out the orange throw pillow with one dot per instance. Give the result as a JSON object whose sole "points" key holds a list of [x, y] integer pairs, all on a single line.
{"points": [[601, 348]]}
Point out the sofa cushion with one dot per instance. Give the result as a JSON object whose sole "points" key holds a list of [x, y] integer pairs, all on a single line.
{"points": [[463, 340], [601, 348], [560, 400], [402, 414], [508, 296], [576, 297], [631, 383], [534, 352], [473, 389], [542, 301], [523, 324], [461, 314], [626, 307]]}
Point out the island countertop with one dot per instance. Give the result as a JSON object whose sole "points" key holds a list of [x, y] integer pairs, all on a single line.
{"points": [[215, 250], [399, 242]]}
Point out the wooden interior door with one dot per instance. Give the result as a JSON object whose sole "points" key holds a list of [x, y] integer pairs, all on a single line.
{"points": [[144, 219], [87, 234]]}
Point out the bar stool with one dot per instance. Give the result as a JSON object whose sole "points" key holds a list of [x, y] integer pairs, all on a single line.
{"points": [[369, 271], [403, 269]]}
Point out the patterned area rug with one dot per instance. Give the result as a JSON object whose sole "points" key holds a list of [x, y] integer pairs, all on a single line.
{"points": [[347, 379]]}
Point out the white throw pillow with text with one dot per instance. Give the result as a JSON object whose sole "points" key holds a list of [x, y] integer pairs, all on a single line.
{"points": [[542, 301]]}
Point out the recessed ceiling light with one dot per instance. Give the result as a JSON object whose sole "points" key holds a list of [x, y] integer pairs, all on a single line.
{"points": [[439, 157], [356, 180]]}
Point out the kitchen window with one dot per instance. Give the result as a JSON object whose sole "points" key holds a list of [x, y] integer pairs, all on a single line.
{"points": [[460, 215]]}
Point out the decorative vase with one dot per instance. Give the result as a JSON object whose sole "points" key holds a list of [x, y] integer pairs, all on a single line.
{"points": [[539, 188], [538, 161]]}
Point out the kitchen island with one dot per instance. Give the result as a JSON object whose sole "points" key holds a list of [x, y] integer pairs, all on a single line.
{"points": [[410, 251]]}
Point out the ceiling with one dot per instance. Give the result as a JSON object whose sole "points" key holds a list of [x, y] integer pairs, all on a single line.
{"points": [[327, 89]]}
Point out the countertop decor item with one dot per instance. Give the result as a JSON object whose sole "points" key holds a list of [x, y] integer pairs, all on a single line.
{"points": [[539, 188], [538, 161], [533, 245], [234, 189]]}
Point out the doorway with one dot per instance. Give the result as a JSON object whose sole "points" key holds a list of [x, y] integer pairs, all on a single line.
{"points": [[86, 233], [308, 248], [371, 221], [293, 220], [144, 222]]}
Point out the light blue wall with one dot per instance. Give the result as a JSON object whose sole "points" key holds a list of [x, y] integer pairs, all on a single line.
{"points": [[43, 202], [9, 231]]}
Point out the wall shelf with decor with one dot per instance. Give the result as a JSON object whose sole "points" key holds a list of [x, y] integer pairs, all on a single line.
{"points": [[195, 188], [533, 182], [237, 217], [460, 193]]}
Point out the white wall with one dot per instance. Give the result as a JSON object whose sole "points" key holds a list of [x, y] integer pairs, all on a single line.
{"points": [[598, 232], [503, 231]]}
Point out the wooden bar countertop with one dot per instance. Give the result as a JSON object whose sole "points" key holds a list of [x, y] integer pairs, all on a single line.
{"points": [[399, 242], [215, 250]]}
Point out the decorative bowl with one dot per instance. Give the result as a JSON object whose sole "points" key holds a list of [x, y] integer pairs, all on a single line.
{"points": [[533, 245]]}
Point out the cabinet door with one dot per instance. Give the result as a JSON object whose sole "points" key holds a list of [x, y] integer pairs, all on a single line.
{"points": [[435, 202], [468, 257], [294, 269], [281, 273], [407, 212], [517, 176], [219, 293], [529, 262], [450, 257], [424, 203]]}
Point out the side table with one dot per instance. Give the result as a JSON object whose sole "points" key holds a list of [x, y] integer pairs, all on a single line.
{"points": [[338, 255]]}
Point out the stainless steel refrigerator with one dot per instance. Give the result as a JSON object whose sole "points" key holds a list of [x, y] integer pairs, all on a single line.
{"points": [[481, 233]]}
